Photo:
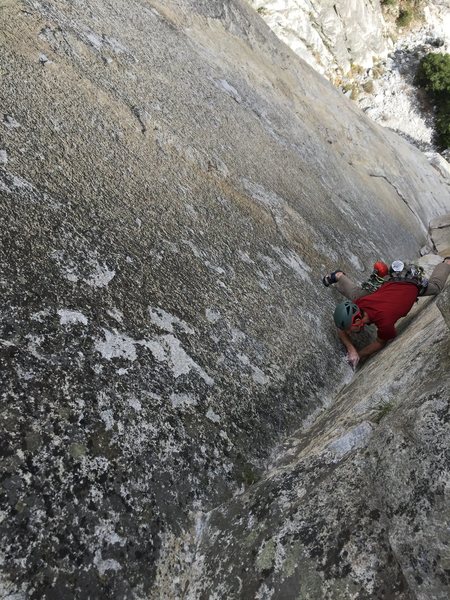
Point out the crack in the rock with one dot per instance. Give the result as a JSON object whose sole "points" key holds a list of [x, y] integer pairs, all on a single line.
{"points": [[399, 194]]}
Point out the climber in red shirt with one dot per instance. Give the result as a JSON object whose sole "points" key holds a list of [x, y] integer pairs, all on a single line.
{"points": [[383, 307]]}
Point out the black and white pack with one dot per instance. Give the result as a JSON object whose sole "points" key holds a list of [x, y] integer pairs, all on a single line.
{"points": [[398, 271], [408, 272]]}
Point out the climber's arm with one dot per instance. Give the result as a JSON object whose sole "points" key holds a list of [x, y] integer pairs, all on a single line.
{"points": [[371, 348], [353, 356], [352, 353]]}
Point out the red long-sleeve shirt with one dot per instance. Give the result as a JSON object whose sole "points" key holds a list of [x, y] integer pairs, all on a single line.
{"points": [[393, 300]]}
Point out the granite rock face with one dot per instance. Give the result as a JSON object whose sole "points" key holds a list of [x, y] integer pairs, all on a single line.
{"points": [[175, 181], [440, 234], [330, 35], [356, 506]]}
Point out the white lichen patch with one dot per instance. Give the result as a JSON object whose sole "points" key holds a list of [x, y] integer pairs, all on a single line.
{"points": [[214, 268], [105, 565], [116, 46], [183, 400], [107, 417], [10, 122], [244, 359], [101, 276], [195, 251], [272, 264], [70, 276], [116, 345], [259, 376], [94, 40], [16, 185], [134, 404], [70, 317], [8, 589], [212, 416], [172, 246], [212, 315], [166, 321], [167, 348], [115, 314], [156, 348], [326, 251], [264, 197], [237, 335], [181, 362], [106, 534], [245, 257], [264, 593], [22, 374]]}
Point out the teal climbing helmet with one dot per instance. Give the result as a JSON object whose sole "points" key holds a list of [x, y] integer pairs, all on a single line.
{"points": [[345, 313]]}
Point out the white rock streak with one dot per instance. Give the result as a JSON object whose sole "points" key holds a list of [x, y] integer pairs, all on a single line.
{"points": [[71, 317], [165, 348], [116, 345]]}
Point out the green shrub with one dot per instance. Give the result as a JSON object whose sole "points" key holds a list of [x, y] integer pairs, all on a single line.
{"points": [[443, 125], [433, 75], [388, 2], [405, 17]]}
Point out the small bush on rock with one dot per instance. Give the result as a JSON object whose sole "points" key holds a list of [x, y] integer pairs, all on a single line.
{"points": [[405, 17], [433, 75]]}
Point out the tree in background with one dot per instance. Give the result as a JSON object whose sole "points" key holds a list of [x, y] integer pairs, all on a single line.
{"points": [[433, 75]]}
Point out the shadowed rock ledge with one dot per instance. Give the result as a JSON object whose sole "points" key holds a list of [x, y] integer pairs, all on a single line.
{"points": [[173, 183]]}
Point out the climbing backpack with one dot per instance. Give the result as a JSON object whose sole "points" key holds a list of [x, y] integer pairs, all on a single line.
{"points": [[409, 273], [398, 271]]}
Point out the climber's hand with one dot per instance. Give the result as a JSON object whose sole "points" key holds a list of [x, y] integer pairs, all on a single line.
{"points": [[353, 357]]}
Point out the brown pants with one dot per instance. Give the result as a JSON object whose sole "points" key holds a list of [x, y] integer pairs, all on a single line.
{"points": [[436, 283]]}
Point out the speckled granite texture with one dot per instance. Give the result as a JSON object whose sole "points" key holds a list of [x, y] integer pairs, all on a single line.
{"points": [[173, 183]]}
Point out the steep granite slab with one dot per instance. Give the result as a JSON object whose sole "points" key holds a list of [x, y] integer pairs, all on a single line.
{"points": [[440, 234], [174, 182], [355, 507]]}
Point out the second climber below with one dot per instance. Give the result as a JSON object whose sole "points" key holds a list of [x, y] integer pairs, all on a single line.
{"points": [[383, 307]]}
